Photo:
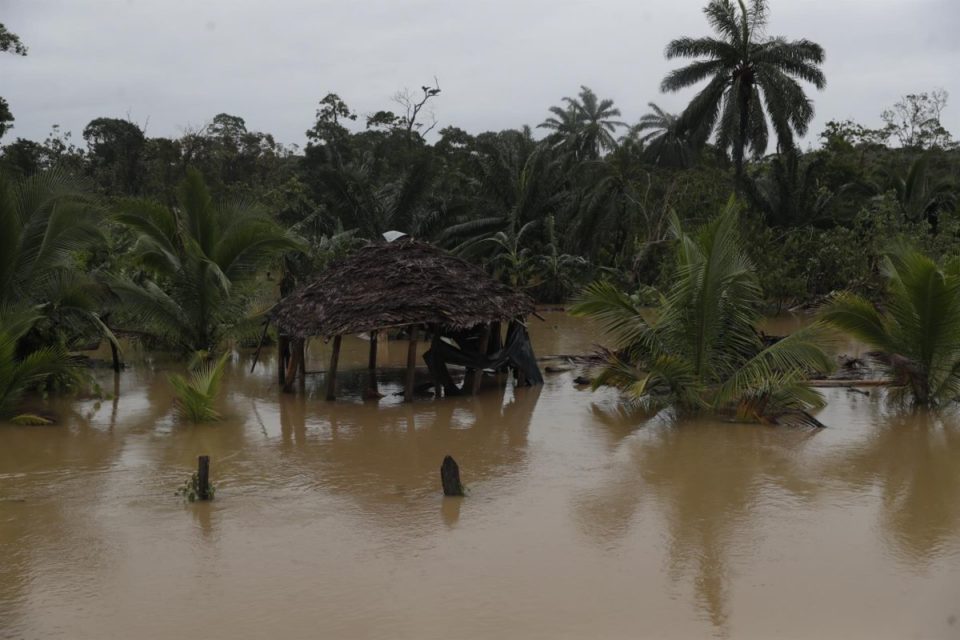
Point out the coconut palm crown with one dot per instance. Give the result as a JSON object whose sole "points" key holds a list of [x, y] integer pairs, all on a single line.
{"points": [[699, 348], [750, 76]]}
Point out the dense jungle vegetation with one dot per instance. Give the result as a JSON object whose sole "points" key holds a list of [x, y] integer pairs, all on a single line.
{"points": [[185, 242]]}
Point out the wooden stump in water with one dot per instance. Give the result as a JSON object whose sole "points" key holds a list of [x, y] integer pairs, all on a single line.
{"points": [[203, 478], [450, 477]]}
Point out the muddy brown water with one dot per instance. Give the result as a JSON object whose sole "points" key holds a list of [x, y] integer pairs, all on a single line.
{"points": [[582, 520]]}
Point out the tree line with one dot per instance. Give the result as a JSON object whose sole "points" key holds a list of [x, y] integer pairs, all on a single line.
{"points": [[185, 242]]}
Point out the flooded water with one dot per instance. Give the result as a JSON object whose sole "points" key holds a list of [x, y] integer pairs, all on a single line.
{"points": [[582, 521]]}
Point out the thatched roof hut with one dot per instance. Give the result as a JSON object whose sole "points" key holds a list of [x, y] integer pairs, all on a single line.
{"points": [[397, 284], [413, 285]]}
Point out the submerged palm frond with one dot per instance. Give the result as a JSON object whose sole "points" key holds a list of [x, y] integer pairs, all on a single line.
{"points": [[19, 375], [919, 330], [196, 396]]}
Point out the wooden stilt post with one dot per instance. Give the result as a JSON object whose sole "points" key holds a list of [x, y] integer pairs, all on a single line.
{"points": [[302, 365], [411, 364], [294, 364], [372, 360], [282, 344], [332, 369], [435, 349], [372, 357], [203, 478], [482, 347]]}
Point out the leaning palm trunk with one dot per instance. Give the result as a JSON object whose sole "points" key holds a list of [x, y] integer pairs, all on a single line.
{"points": [[699, 349]]}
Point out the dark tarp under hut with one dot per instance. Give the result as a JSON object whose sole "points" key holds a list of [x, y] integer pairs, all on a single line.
{"points": [[417, 287]]}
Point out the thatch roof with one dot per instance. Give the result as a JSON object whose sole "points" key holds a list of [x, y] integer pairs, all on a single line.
{"points": [[386, 285]]}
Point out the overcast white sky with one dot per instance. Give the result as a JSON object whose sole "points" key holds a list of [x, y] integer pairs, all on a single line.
{"points": [[177, 63]]}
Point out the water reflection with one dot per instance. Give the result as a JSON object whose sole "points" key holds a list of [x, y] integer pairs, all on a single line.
{"points": [[584, 519], [391, 455], [707, 481], [450, 510], [912, 458]]}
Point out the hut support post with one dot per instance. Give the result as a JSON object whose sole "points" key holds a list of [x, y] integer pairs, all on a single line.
{"points": [[520, 377], [435, 349], [295, 365], [302, 365], [482, 347], [411, 365], [372, 360], [282, 343], [332, 369]]}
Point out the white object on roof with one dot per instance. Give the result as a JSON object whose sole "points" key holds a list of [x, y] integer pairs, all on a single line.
{"points": [[390, 236]]}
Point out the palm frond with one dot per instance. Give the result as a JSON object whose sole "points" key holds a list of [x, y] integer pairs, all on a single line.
{"points": [[196, 397]]}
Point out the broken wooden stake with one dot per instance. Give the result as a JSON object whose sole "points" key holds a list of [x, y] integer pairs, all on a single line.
{"points": [[203, 478], [450, 477]]}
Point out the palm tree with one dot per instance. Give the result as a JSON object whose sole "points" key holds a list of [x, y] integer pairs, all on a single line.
{"points": [[919, 330], [198, 258], [699, 349], [605, 217], [19, 372], [750, 76], [512, 263], [565, 125], [519, 183], [918, 197], [790, 194], [667, 141], [556, 273], [585, 124], [45, 220], [363, 200]]}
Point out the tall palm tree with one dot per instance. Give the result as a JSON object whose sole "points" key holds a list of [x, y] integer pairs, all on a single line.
{"points": [[199, 258], [667, 140], [564, 123], [919, 329], [751, 77], [586, 124], [699, 349]]}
